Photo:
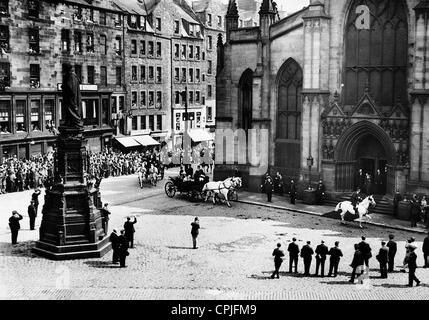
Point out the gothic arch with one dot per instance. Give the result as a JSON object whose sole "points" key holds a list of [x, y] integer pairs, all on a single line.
{"points": [[245, 97]]}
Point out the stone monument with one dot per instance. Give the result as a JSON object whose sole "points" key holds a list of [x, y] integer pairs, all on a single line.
{"points": [[71, 225]]}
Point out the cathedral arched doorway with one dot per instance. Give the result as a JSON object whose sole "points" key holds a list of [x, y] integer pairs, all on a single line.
{"points": [[245, 93], [367, 148]]}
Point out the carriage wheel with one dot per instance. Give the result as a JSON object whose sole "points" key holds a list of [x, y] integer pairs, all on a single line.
{"points": [[170, 189]]}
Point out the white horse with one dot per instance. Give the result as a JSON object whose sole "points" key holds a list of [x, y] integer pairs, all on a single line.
{"points": [[221, 187], [362, 208]]}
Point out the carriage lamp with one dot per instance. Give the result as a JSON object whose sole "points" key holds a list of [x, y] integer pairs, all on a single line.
{"points": [[310, 162]]}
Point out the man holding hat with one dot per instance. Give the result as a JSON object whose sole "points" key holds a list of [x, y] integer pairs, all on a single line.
{"points": [[35, 198], [14, 225]]}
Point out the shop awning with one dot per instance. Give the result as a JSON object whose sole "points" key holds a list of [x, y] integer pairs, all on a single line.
{"points": [[198, 135], [128, 142], [146, 140]]}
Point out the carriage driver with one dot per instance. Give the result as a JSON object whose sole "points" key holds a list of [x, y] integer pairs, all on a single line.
{"points": [[356, 198]]}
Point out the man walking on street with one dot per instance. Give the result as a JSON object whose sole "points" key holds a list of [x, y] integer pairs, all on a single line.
{"points": [[412, 266], [32, 214], [335, 254], [307, 253], [383, 259], [365, 249], [426, 251], [14, 225], [114, 239], [278, 259], [293, 255], [129, 231], [358, 262], [321, 252], [393, 248]]}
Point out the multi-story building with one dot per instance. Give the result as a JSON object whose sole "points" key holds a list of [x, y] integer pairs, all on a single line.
{"points": [[36, 39]]}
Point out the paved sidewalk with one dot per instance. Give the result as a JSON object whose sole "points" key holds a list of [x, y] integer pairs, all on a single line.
{"points": [[283, 203]]}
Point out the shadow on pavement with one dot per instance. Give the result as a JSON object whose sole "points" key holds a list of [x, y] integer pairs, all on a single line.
{"points": [[180, 248], [391, 285], [21, 249], [102, 264], [344, 282]]}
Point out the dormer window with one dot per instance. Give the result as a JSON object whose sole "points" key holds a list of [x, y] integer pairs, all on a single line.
{"points": [[176, 26], [143, 22], [209, 20], [118, 45], [191, 29], [33, 8], [91, 15], [4, 6], [158, 24]]}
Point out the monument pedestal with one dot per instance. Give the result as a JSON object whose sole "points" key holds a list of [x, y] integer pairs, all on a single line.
{"points": [[71, 225]]}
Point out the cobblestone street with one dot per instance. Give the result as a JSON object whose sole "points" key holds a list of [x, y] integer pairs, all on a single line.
{"points": [[233, 259]]}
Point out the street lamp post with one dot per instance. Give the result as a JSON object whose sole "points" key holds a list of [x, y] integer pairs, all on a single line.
{"points": [[310, 162]]}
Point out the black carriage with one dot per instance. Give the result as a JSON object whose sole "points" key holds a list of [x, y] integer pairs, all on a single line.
{"points": [[191, 189]]}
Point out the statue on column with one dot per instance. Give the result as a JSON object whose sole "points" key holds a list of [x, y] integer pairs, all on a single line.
{"points": [[72, 104]]}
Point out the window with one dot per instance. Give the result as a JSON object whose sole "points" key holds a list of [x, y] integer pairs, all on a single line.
{"points": [[90, 112], [191, 75], [191, 97], [151, 73], [159, 122], [121, 103], [34, 40], [91, 15], [105, 112], [103, 44], [209, 19], [91, 73], [65, 40], [77, 13], [198, 119], [143, 74], [158, 24], [103, 76], [119, 76], [176, 26], [118, 45], [158, 99], [78, 71], [158, 74], [203, 54], [197, 75], [219, 21], [209, 43], [4, 74], [191, 52], [151, 99], [143, 22], [150, 49], [176, 51], [114, 102], [34, 76], [151, 123], [34, 115], [33, 8], [177, 97], [5, 113], [197, 97], [209, 114], [134, 99], [4, 6], [204, 77], [49, 111], [133, 21], [197, 53], [210, 66], [103, 20], [118, 20], [21, 105], [176, 74], [142, 122], [133, 46], [78, 41], [183, 74], [209, 91], [134, 123], [183, 51], [143, 99], [134, 73], [4, 38], [191, 29], [90, 43], [158, 49], [142, 47]]}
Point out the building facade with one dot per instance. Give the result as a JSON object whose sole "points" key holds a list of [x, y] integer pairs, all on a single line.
{"points": [[340, 86]]}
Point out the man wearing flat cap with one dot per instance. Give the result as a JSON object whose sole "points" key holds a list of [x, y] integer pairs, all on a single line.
{"points": [[14, 225]]}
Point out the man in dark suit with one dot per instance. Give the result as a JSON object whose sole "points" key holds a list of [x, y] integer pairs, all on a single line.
{"points": [[396, 199], [105, 212], [412, 266], [425, 249], [114, 239], [383, 259], [14, 225], [415, 211], [307, 253], [35, 198], [393, 248], [32, 214], [278, 259], [320, 193], [378, 182], [357, 262], [292, 192], [365, 249], [268, 186], [129, 231], [355, 199], [293, 255], [334, 260], [360, 179], [122, 248], [321, 252]]}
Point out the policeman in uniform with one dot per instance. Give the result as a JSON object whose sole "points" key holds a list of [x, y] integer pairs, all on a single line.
{"points": [[292, 192], [268, 186]]}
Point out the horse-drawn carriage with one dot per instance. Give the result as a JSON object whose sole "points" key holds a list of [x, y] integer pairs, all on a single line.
{"points": [[192, 189]]}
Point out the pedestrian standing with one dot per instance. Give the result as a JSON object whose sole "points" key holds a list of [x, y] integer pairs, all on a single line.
{"points": [[424, 206], [105, 212], [292, 192], [278, 260], [365, 249], [122, 249], [35, 198], [129, 231], [383, 259], [293, 255], [393, 248], [269, 186], [335, 254], [14, 225], [321, 252], [412, 266], [32, 214], [396, 199], [307, 254], [426, 251], [195, 230], [415, 211], [320, 193], [358, 262], [114, 239]]}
